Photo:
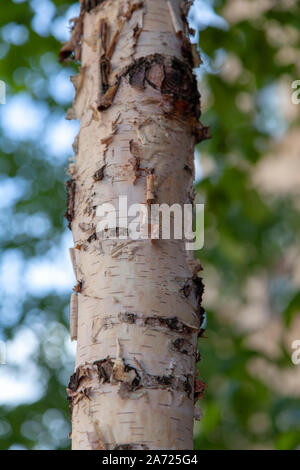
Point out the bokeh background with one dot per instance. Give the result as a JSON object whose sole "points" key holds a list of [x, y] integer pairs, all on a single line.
{"points": [[248, 176]]}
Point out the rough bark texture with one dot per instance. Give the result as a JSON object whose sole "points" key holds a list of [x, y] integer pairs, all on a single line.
{"points": [[137, 303]]}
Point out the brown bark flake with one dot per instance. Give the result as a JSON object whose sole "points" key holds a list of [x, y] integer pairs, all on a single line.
{"points": [[99, 174], [171, 323], [73, 46], [71, 190], [172, 77], [130, 380], [88, 5]]}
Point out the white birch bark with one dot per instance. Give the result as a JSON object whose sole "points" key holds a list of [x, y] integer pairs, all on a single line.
{"points": [[138, 302]]}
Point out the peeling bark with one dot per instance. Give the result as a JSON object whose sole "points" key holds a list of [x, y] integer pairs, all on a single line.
{"points": [[71, 189], [136, 311]]}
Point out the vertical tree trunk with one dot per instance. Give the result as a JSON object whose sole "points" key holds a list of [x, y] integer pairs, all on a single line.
{"points": [[138, 302]]}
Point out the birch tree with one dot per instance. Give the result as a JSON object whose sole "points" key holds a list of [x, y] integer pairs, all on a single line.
{"points": [[136, 311]]}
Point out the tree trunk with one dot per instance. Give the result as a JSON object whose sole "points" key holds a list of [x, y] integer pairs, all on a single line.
{"points": [[136, 311]]}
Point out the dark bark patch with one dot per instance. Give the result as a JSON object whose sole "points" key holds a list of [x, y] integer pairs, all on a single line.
{"points": [[135, 149], [194, 285], [164, 380], [77, 381], [201, 132], [198, 287], [199, 389], [191, 196], [170, 323], [92, 237], [202, 333], [181, 84], [182, 346], [129, 379], [188, 169], [186, 50], [103, 34], [99, 174], [132, 446], [133, 7], [201, 315], [88, 5], [106, 373], [185, 7], [137, 76], [199, 290], [74, 381], [136, 152], [128, 317], [105, 101], [104, 71], [186, 290], [174, 78], [105, 368], [197, 268], [105, 66], [72, 48], [188, 385], [78, 287], [71, 190]]}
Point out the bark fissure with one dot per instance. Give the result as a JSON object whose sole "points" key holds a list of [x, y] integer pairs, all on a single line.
{"points": [[131, 446], [131, 381], [172, 324], [88, 5], [71, 189]]}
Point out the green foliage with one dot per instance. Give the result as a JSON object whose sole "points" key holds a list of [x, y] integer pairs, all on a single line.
{"points": [[29, 67], [251, 232]]}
